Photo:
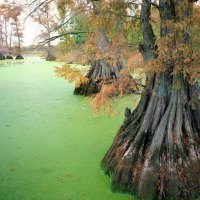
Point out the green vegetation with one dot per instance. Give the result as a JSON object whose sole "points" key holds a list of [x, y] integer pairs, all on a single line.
{"points": [[51, 143]]}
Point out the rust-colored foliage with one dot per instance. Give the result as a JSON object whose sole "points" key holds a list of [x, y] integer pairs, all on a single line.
{"points": [[72, 75]]}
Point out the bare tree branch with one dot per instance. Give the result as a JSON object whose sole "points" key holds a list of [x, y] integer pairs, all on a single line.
{"points": [[42, 43], [37, 7]]}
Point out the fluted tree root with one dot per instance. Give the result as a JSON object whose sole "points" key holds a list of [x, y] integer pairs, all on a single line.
{"points": [[156, 152], [100, 73]]}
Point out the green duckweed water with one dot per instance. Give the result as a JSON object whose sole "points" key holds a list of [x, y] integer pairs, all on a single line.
{"points": [[51, 144]]}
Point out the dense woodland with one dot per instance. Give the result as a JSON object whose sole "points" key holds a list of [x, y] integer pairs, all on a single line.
{"points": [[156, 152]]}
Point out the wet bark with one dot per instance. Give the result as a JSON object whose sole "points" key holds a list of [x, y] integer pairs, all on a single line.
{"points": [[156, 152]]}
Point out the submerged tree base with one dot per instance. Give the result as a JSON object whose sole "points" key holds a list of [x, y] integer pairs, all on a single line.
{"points": [[101, 73], [19, 57], [156, 153], [89, 88], [9, 57], [50, 57], [2, 57]]}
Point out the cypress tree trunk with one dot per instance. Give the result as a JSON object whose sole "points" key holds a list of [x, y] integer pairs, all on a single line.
{"points": [[156, 152], [50, 55], [101, 72], [2, 57], [19, 57], [195, 99]]}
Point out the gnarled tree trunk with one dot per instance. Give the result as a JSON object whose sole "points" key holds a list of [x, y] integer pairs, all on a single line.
{"points": [[101, 72], [156, 153]]}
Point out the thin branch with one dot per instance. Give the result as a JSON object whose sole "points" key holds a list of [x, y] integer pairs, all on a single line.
{"points": [[70, 18], [37, 7], [42, 43], [62, 24]]}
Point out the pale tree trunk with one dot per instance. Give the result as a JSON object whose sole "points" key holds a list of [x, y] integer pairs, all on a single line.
{"points": [[156, 152], [50, 54], [10, 44], [2, 57], [18, 38], [6, 32], [19, 56], [10, 40], [1, 33]]}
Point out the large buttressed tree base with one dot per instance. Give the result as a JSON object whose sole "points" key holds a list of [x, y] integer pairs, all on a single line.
{"points": [[101, 73], [107, 67], [156, 152]]}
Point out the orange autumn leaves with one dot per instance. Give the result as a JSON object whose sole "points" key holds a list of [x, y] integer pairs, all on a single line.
{"points": [[72, 75]]}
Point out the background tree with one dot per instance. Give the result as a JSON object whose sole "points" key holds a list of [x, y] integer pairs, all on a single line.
{"points": [[17, 28], [8, 26], [46, 17], [103, 51], [5, 15]]}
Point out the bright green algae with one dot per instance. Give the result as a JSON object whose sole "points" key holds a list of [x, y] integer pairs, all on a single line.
{"points": [[51, 144]]}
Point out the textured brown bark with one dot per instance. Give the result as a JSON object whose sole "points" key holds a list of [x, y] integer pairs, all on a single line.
{"points": [[195, 103], [156, 152], [100, 73]]}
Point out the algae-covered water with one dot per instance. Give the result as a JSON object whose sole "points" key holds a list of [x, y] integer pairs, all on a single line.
{"points": [[51, 143]]}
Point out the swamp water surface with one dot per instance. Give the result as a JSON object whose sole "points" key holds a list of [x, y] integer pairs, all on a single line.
{"points": [[51, 143]]}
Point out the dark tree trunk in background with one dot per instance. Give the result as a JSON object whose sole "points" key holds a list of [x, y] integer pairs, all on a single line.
{"points": [[19, 57], [9, 57], [157, 149], [2, 57]]}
